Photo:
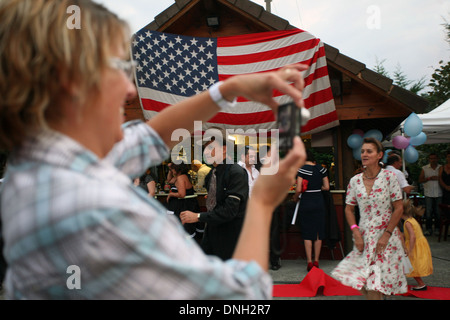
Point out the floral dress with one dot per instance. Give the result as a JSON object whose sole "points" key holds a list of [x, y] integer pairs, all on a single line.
{"points": [[367, 269]]}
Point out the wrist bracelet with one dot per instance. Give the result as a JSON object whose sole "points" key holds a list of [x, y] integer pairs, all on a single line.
{"points": [[389, 232], [354, 226], [217, 97]]}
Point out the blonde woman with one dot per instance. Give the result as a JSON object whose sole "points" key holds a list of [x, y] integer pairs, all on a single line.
{"points": [[74, 226]]}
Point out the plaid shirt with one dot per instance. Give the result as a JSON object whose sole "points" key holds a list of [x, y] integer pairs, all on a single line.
{"points": [[64, 208]]}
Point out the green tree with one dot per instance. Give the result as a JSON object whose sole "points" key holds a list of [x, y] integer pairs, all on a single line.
{"points": [[438, 93], [399, 77], [439, 85]]}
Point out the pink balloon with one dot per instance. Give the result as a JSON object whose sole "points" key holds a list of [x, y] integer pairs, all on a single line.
{"points": [[359, 132], [400, 142]]}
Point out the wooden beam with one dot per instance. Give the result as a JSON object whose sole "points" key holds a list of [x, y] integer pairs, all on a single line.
{"points": [[183, 11], [374, 111], [351, 75], [252, 18]]}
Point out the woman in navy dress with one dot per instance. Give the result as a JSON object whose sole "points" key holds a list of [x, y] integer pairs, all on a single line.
{"points": [[311, 180]]}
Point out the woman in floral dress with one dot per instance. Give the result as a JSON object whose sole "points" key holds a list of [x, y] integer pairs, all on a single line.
{"points": [[375, 265]]}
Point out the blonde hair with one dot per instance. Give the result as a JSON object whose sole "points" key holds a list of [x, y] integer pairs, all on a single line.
{"points": [[41, 57], [410, 210]]}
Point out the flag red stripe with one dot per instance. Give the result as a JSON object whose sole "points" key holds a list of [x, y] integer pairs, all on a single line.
{"points": [[254, 38], [152, 105], [320, 53], [320, 121], [267, 55], [318, 97], [243, 119], [315, 98], [253, 118]]}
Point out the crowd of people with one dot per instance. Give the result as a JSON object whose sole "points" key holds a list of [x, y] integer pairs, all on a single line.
{"points": [[381, 194]]}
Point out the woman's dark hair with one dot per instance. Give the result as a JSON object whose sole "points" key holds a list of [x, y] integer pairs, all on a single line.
{"points": [[181, 168], [377, 145], [310, 156], [375, 142]]}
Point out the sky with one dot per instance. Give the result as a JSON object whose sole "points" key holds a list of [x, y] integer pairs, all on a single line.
{"points": [[403, 33]]}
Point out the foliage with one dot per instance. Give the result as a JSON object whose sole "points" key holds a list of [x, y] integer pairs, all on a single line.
{"points": [[440, 85], [399, 77], [439, 92]]}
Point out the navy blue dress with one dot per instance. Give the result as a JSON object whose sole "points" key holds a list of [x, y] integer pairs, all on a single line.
{"points": [[311, 211]]}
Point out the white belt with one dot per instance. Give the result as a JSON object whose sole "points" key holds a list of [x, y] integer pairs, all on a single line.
{"points": [[314, 190], [189, 197]]}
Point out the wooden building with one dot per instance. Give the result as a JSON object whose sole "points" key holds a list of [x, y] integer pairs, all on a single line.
{"points": [[364, 99]]}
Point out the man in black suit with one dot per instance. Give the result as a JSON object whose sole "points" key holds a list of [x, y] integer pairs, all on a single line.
{"points": [[227, 186]]}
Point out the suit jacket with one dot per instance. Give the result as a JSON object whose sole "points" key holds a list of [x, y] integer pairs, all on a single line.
{"points": [[224, 222]]}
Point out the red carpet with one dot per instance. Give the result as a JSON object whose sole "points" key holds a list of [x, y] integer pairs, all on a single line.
{"points": [[318, 282]]}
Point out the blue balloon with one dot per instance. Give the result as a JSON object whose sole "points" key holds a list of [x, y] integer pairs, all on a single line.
{"points": [[411, 154], [386, 155], [354, 141], [418, 140], [413, 125], [374, 133], [357, 153]]}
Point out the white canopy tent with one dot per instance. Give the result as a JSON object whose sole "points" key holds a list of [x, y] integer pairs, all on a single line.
{"points": [[436, 125]]}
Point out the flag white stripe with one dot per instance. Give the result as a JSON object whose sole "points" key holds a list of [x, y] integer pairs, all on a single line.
{"points": [[264, 46], [266, 65]]}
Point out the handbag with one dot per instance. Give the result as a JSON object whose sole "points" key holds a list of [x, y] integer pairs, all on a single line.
{"points": [[407, 266], [304, 185]]}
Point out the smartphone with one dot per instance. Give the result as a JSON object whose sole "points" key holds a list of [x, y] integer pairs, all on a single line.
{"points": [[290, 119]]}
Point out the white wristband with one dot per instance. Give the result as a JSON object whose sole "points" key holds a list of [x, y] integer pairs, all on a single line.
{"points": [[216, 96]]}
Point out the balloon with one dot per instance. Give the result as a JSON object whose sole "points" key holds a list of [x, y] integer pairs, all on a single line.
{"points": [[357, 153], [418, 140], [411, 154], [374, 133], [413, 125], [386, 155], [400, 142], [354, 141], [359, 132]]}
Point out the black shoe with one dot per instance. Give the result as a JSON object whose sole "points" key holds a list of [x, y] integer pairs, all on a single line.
{"points": [[275, 267], [422, 288]]}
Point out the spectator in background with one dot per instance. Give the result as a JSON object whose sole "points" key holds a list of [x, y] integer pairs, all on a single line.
{"points": [[444, 179], [311, 180], [394, 164], [202, 171], [248, 161], [147, 183], [429, 177], [181, 196]]}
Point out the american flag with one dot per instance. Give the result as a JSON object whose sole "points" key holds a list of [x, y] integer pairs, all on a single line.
{"points": [[173, 67]]}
